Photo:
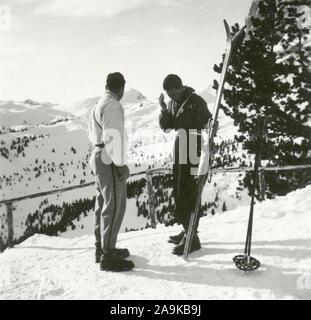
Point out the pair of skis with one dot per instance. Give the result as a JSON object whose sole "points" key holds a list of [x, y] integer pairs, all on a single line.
{"points": [[209, 133]]}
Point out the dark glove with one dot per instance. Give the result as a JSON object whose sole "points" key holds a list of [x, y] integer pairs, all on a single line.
{"points": [[123, 172]]}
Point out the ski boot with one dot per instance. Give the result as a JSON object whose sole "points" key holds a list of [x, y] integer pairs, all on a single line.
{"points": [[98, 252], [111, 261], [176, 239], [179, 249]]}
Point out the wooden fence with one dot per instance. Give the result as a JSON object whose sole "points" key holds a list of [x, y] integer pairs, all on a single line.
{"points": [[149, 174]]}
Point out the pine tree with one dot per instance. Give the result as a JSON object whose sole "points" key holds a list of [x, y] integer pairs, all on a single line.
{"points": [[263, 80]]}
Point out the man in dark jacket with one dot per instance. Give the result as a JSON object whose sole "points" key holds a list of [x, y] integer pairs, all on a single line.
{"points": [[186, 113]]}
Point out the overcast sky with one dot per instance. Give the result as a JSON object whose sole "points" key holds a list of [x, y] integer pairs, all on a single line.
{"points": [[61, 51]]}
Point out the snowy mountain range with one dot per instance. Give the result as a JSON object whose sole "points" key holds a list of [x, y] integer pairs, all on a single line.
{"points": [[14, 113], [83, 106]]}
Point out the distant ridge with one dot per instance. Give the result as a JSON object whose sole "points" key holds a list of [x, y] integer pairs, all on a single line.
{"points": [[133, 96], [28, 111], [83, 106]]}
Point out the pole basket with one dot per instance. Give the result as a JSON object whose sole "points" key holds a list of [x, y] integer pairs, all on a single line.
{"points": [[246, 263]]}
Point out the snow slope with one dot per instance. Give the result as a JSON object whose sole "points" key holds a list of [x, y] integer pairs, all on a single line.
{"points": [[45, 267]]}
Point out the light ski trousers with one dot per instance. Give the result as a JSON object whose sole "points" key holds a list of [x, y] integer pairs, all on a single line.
{"points": [[110, 203]]}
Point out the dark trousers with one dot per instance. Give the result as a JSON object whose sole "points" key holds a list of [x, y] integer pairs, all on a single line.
{"points": [[185, 192]]}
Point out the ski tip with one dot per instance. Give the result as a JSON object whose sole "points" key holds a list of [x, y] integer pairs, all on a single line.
{"points": [[228, 31], [226, 25]]}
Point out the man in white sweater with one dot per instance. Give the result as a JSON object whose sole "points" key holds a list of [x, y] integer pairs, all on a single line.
{"points": [[108, 163]]}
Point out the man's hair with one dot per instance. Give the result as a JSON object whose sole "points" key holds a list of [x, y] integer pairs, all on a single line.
{"points": [[172, 81], [115, 81]]}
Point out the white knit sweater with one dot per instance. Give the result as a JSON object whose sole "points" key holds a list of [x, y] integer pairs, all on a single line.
{"points": [[106, 125]]}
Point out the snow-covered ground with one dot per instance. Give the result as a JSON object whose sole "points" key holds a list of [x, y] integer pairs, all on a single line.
{"points": [[45, 267]]}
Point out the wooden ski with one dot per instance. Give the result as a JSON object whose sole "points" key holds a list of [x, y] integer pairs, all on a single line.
{"points": [[209, 134]]}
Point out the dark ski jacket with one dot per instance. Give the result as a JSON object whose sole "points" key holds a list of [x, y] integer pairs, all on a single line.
{"points": [[194, 114]]}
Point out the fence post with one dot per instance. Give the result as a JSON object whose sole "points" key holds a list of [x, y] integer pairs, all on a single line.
{"points": [[151, 200], [262, 185], [9, 208]]}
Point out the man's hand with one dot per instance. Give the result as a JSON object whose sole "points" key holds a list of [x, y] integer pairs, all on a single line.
{"points": [[123, 172], [162, 102]]}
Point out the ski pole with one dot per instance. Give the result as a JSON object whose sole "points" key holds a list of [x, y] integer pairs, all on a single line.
{"points": [[260, 126], [246, 262]]}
